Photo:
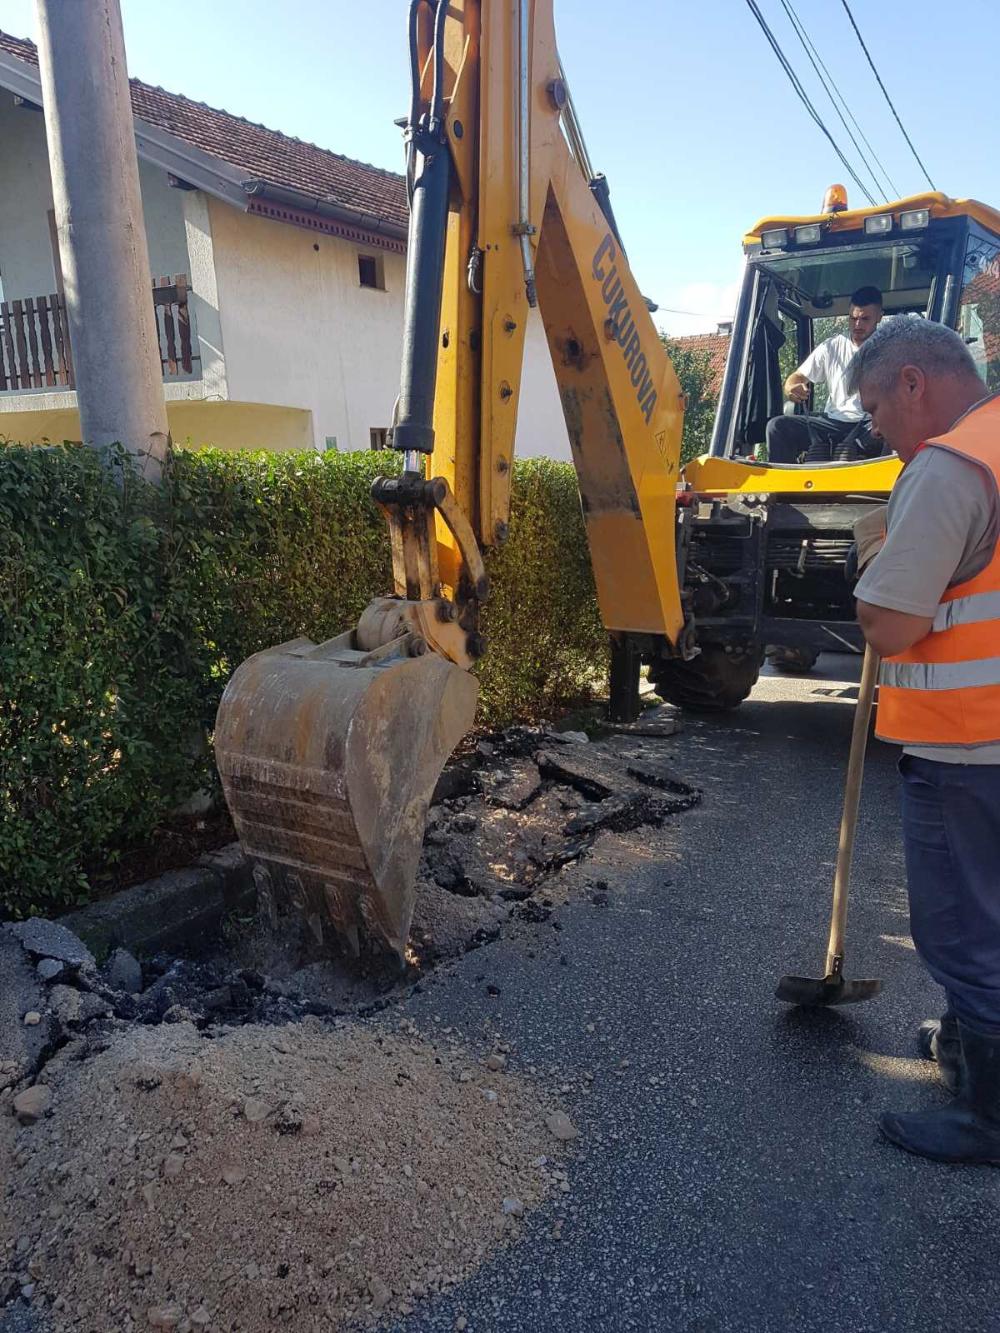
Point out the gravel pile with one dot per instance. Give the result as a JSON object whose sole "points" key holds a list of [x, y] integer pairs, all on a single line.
{"points": [[302, 1177]]}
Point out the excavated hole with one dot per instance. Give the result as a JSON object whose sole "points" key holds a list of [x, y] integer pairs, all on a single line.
{"points": [[504, 821]]}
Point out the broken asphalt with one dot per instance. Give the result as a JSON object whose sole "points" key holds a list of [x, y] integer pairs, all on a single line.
{"points": [[729, 1175]]}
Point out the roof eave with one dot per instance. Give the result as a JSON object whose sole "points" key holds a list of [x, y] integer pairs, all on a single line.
{"points": [[311, 203], [189, 164], [201, 169], [153, 145], [20, 78]]}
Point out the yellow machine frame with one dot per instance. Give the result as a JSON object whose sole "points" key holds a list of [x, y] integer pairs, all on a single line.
{"points": [[621, 398]]}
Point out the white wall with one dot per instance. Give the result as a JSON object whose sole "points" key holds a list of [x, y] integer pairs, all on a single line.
{"points": [[299, 329], [206, 321], [26, 266], [163, 210], [26, 263], [541, 426]]}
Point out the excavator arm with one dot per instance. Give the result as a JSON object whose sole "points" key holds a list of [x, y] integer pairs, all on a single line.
{"points": [[329, 754], [527, 222]]}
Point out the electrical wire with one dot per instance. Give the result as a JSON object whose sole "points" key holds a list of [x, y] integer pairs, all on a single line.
{"points": [[846, 105], [826, 80], [805, 100], [885, 94], [695, 314]]}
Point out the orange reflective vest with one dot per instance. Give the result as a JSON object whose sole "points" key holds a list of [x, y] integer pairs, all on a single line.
{"points": [[945, 690]]}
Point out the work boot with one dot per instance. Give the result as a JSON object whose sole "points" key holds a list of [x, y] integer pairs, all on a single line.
{"points": [[938, 1040], [846, 452], [819, 451], [969, 1130]]}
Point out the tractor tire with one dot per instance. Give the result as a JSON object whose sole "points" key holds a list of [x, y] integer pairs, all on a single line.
{"points": [[793, 661], [713, 682]]}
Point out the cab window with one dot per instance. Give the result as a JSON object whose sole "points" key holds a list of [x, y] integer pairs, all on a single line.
{"points": [[979, 310], [803, 297]]}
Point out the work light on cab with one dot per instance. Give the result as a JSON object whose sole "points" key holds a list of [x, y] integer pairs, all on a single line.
{"points": [[915, 219], [879, 225]]}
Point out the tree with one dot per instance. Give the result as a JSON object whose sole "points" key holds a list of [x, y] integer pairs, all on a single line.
{"points": [[694, 371]]}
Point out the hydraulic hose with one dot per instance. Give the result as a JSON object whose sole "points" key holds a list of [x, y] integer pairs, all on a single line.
{"points": [[437, 87], [429, 173]]}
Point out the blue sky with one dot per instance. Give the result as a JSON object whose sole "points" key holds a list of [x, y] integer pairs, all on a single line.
{"points": [[683, 105]]}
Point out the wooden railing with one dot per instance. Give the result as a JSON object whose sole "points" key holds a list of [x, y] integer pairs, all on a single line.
{"points": [[34, 338], [34, 344], [173, 324]]}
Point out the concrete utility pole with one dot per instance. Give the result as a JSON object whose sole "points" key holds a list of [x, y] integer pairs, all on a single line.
{"points": [[102, 239]]}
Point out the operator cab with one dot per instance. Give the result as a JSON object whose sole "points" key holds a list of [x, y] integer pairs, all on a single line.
{"points": [[764, 547], [930, 257]]}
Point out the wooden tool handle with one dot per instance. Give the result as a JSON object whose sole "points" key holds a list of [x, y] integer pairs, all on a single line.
{"points": [[852, 798]]}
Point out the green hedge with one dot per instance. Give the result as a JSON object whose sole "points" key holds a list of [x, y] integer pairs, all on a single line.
{"points": [[123, 610]]}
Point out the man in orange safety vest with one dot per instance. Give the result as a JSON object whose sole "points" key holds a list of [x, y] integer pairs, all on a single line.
{"points": [[929, 603]]}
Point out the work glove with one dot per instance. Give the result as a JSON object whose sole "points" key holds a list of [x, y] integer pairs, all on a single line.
{"points": [[869, 538]]}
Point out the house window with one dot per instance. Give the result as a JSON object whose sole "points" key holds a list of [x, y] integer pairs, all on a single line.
{"points": [[379, 436], [371, 271]]}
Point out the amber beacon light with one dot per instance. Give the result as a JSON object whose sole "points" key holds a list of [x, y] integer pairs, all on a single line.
{"points": [[835, 199]]}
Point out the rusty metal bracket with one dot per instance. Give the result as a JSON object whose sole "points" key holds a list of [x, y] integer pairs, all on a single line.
{"points": [[461, 529], [409, 503]]}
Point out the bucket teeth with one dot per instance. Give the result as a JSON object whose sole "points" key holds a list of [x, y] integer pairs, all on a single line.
{"points": [[328, 761]]}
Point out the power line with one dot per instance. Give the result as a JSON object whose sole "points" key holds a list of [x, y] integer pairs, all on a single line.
{"points": [[794, 20], [892, 185], [804, 97], [831, 84], [885, 94]]}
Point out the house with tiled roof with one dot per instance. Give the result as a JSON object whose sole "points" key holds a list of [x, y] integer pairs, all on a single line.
{"points": [[714, 348], [277, 279]]}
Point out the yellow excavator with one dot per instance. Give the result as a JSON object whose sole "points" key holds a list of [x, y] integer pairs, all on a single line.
{"points": [[329, 753]]}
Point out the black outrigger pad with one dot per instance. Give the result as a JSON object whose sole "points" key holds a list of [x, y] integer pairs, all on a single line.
{"points": [[810, 993]]}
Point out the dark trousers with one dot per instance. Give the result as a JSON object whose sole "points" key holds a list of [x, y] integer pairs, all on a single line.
{"points": [[789, 437], [951, 832]]}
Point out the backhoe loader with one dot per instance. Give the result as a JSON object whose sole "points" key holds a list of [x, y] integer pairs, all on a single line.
{"points": [[329, 753], [763, 548]]}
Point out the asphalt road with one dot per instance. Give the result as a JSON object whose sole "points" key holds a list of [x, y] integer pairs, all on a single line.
{"points": [[729, 1175]]}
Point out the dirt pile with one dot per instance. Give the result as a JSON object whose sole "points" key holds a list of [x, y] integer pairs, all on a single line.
{"points": [[210, 1143], [304, 1176]]}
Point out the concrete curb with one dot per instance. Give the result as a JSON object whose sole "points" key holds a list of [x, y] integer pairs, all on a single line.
{"points": [[181, 911]]}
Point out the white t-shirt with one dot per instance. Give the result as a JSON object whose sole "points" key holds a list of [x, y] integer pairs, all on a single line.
{"points": [[827, 364]]}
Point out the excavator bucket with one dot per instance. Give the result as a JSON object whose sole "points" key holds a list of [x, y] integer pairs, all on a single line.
{"points": [[328, 758]]}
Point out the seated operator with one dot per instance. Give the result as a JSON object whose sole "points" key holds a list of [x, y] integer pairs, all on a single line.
{"points": [[788, 437]]}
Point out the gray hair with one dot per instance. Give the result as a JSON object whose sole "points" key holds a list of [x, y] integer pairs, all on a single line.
{"points": [[909, 341]]}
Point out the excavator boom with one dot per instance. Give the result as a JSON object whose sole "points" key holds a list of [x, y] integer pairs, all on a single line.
{"points": [[329, 754]]}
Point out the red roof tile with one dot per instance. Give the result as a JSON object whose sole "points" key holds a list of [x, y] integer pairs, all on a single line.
{"points": [[713, 345], [260, 153]]}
